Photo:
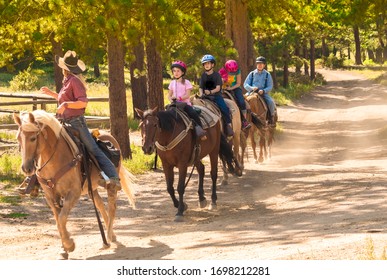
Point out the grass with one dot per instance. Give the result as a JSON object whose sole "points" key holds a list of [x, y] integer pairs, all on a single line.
{"points": [[15, 215], [369, 251]]}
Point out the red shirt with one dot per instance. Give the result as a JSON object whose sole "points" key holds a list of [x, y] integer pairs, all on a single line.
{"points": [[73, 89]]}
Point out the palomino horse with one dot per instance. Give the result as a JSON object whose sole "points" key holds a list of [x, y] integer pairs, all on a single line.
{"points": [[57, 164], [176, 142], [236, 126], [264, 131]]}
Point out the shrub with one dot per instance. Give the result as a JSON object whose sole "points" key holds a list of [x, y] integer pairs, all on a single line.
{"points": [[333, 62], [24, 81]]}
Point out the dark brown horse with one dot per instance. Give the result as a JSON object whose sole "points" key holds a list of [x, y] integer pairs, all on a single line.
{"points": [[175, 144], [260, 128], [46, 153]]}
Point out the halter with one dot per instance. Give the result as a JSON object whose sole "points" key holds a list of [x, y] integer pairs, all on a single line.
{"points": [[32, 127]]}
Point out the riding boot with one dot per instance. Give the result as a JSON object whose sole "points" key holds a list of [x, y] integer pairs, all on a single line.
{"points": [[272, 121], [200, 133], [245, 123], [111, 183]]}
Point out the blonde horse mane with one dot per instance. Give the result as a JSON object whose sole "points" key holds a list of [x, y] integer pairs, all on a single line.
{"points": [[42, 117]]}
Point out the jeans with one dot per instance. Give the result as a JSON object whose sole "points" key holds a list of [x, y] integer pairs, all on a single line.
{"points": [[270, 103], [218, 99], [79, 123], [239, 98]]}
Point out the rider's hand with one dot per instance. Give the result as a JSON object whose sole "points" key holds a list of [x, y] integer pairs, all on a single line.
{"points": [[207, 92], [260, 91]]}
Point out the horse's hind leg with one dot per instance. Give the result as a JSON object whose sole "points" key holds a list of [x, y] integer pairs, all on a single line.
{"points": [[214, 177], [101, 208], [112, 207], [202, 198]]}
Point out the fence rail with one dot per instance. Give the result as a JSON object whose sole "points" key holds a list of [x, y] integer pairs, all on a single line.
{"points": [[42, 100]]}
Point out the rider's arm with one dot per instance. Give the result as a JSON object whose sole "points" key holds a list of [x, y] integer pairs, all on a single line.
{"points": [[249, 87], [269, 83]]}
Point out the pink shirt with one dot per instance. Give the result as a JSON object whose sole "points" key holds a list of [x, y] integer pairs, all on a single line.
{"points": [[179, 90], [72, 90]]}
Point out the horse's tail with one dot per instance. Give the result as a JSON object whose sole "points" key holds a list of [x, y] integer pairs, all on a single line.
{"points": [[226, 154], [127, 182]]}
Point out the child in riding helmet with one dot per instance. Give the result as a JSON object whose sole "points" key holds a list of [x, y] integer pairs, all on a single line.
{"points": [[210, 87], [260, 81], [231, 75], [179, 91]]}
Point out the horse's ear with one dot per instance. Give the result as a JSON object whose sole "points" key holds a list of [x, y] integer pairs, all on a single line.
{"points": [[154, 110], [32, 117], [17, 119], [139, 112]]}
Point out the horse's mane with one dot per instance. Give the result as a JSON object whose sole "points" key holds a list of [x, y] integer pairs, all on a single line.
{"points": [[41, 117], [167, 119]]}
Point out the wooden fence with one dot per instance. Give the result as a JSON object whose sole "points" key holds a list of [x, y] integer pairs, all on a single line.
{"points": [[39, 100]]}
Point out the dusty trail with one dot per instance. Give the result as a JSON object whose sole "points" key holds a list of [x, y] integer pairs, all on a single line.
{"points": [[321, 196]]}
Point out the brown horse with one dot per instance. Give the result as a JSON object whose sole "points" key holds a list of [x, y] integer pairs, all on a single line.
{"points": [[235, 140], [264, 131], [175, 144], [46, 153]]}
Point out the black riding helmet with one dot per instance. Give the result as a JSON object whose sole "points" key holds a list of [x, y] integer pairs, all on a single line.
{"points": [[260, 59]]}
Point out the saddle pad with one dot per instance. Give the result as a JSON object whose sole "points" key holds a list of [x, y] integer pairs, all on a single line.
{"points": [[208, 104], [73, 146], [230, 106], [207, 117]]}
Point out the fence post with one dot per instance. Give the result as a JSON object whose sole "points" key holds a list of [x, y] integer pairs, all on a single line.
{"points": [[34, 106]]}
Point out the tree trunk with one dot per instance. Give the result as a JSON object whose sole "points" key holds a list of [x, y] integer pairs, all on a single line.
{"points": [[237, 26], [274, 75], [297, 55], [97, 72], [138, 80], [312, 60], [324, 47], [207, 20], [305, 53], [155, 76], [58, 73], [357, 44], [117, 95], [285, 81]]}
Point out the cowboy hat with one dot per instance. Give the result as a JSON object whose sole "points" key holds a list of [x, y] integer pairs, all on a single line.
{"points": [[70, 62]]}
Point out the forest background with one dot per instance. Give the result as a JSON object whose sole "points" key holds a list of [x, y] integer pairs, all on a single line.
{"points": [[144, 37]]}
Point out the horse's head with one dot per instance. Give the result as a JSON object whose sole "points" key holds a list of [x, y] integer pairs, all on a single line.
{"points": [[149, 125], [28, 136]]}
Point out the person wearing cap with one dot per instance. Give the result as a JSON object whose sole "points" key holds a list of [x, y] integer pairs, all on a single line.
{"points": [[232, 80], [210, 86], [72, 102], [180, 92], [260, 81]]}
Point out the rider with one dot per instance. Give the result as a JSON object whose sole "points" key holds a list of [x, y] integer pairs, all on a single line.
{"points": [[231, 75], [210, 87], [72, 100], [260, 81], [179, 91]]}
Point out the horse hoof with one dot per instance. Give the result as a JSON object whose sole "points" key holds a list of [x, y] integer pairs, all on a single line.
{"points": [[260, 160], [63, 255], [70, 246], [105, 246], [212, 206], [203, 203], [224, 183], [179, 218]]}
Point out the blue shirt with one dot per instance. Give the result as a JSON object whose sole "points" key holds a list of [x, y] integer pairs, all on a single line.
{"points": [[261, 80]]}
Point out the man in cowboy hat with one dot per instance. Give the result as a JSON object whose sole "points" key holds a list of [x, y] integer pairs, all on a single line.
{"points": [[72, 100]]}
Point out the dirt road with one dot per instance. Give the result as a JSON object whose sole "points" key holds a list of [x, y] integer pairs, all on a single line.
{"points": [[321, 196]]}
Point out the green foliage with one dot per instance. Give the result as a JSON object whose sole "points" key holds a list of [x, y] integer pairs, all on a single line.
{"points": [[10, 199], [140, 163], [10, 164], [333, 62], [24, 81], [16, 215]]}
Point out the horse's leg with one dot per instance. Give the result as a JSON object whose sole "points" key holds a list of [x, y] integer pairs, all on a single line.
{"points": [[225, 174], [214, 177], [112, 206], [202, 198], [68, 203], [169, 177], [253, 143], [106, 218], [262, 148], [181, 189]]}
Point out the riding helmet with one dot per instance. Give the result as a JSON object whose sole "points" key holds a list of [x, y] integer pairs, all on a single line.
{"points": [[208, 58], [231, 66], [260, 59], [179, 64]]}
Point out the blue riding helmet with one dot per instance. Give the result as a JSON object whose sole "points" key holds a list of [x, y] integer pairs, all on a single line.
{"points": [[208, 58]]}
